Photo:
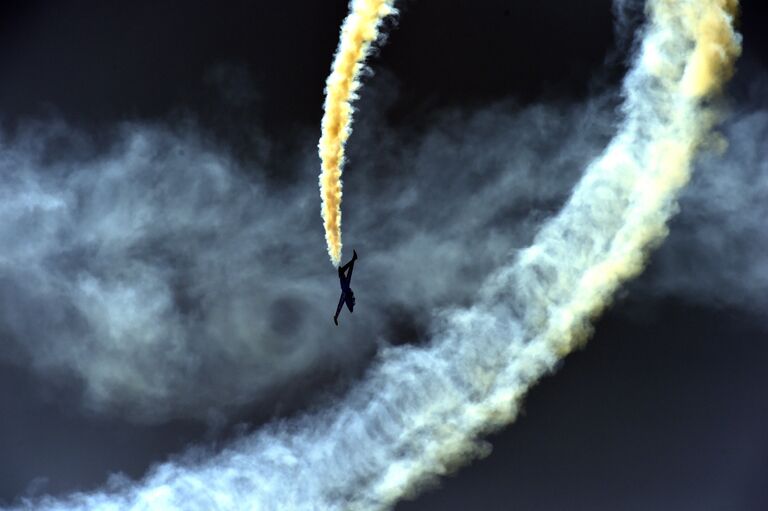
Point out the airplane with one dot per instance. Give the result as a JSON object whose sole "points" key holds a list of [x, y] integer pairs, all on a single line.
{"points": [[347, 296]]}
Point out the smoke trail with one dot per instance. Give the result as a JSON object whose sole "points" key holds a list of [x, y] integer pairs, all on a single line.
{"points": [[360, 29], [420, 410]]}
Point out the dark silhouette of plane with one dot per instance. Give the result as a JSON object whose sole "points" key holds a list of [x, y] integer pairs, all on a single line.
{"points": [[347, 296]]}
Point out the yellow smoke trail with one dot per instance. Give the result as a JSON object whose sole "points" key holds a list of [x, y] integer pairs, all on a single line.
{"points": [[359, 31]]}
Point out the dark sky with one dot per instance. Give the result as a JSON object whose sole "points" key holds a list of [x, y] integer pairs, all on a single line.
{"points": [[664, 409], [90, 60]]}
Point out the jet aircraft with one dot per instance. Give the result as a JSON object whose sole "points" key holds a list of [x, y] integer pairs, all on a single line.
{"points": [[347, 296]]}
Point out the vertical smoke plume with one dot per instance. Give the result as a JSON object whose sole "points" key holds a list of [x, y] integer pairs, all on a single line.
{"points": [[420, 410], [359, 31]]}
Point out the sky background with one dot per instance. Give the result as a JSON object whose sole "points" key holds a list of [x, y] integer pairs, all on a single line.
{"points": [[192, 127]]}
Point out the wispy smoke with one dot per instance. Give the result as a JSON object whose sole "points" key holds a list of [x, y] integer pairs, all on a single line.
{"points": [[418, 411], [146, 268], [164, 262], [359, 31], [628, 16], [716, 255]]}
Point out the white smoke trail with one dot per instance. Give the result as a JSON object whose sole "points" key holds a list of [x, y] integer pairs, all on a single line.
{"points": [[420, 410]]}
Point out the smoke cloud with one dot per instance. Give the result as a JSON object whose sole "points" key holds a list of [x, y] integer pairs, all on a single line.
{"points": [[716, 255], [419, 410], [164, 262]]}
